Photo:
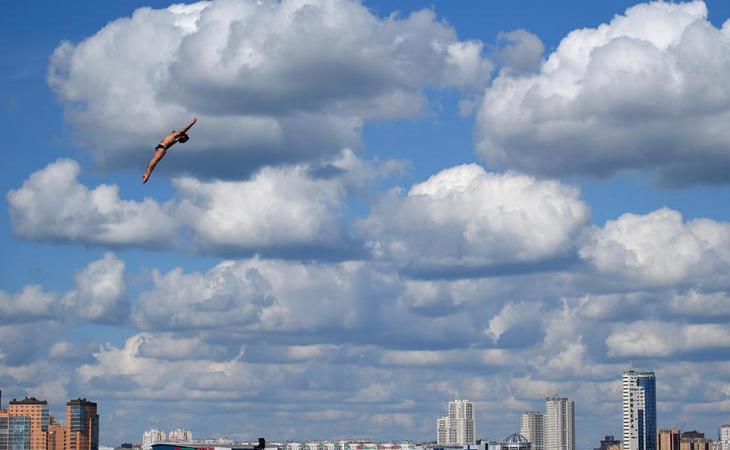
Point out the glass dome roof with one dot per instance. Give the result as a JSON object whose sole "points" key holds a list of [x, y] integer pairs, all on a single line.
{"points": [[515, 438]]}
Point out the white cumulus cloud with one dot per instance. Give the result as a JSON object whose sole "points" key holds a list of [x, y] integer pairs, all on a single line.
{"points": [[290, 211], [644, 91], [660, 248], [465, 219], [271, 81], [52, 205], [100, 293]]}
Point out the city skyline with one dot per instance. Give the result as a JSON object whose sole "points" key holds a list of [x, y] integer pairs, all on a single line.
{"points": [[383, 206]]}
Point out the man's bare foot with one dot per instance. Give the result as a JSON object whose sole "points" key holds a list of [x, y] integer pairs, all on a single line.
{"points": [[146, 176]]}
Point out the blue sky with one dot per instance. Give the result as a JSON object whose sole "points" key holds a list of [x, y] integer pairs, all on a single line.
{"points": [[377, 212]]}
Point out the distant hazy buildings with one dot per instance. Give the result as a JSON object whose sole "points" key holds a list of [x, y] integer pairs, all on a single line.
{"points": [[180, 435], [559, 424], [152, 436], [532, 427], [458, 427], [639, 410]]}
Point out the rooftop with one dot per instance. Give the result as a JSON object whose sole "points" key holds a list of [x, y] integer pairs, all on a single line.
{"points": [[80, 401], [515, 438], [28, 401]]}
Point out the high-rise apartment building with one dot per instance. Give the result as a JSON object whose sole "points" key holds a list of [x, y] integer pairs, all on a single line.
{"points": [[442, 430], [458, 427], [725, 436], [461, 429], [559, 424], [82, 425], [37, 413], [639, 410], [532, 427]]}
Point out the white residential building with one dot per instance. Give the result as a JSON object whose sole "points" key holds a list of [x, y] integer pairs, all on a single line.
{"points": [[559, 424], [461, 422], [532, 427], [153, 436], [725, 436], [180, 435], [442, 430]]}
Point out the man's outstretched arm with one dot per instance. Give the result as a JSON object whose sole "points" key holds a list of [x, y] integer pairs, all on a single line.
{"points": [[187, 127]]}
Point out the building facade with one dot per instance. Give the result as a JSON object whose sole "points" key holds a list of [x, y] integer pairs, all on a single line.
{"points": [[639, 410], [37, 413], [694, 440], [56, 436], [82, 425], [559, 424], [668, 439], [725, 436], [532, 427], [442, 430], [461, 429]]}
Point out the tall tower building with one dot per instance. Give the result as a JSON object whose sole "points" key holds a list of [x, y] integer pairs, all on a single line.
{"points": [[725, 436], [532, 426], [37, 413], [639, 410], [559, 424], [82, 425], [461, 428], [442, 430]]}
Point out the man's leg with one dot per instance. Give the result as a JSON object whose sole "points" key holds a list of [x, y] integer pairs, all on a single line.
{"points": [[156, 157]]}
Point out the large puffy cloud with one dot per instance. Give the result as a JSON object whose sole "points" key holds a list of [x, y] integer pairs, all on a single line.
{"points": [[288, 211], [646, 90], [53, 205], [270, 81], [98, 296], [465, 221], [659, 248]]}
